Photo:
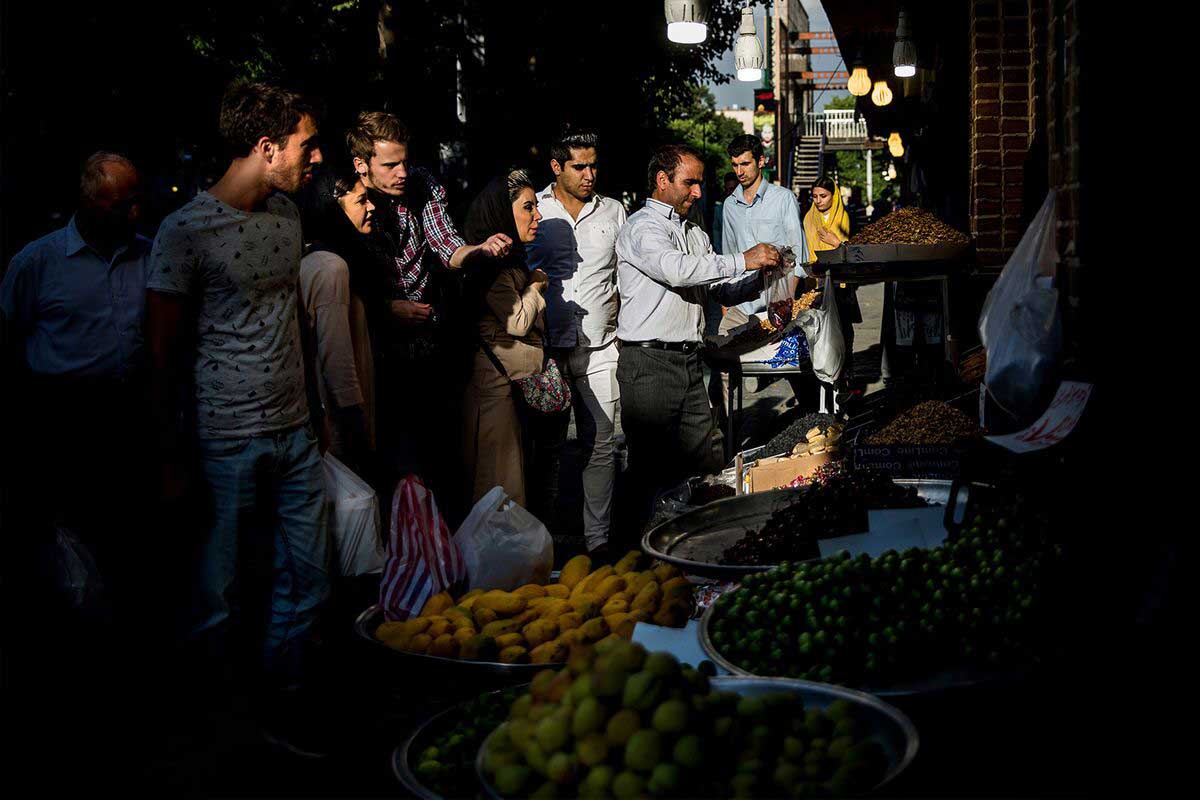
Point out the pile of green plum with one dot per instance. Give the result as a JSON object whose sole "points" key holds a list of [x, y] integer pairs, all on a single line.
{"points": [[621, 722], [977, 601], [445, 755]]}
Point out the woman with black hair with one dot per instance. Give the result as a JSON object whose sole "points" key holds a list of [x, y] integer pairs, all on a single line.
{"points": [[511, 326], [338, 214]]}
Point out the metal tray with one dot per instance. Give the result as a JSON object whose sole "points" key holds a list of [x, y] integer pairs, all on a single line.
{"points": [[890, 726], [960, 678], [446, 669], [695, 540], [890, 253], [400, 764]]}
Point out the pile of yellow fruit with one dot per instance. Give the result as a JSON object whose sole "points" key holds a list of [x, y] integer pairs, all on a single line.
{"points": [[537, 624]]}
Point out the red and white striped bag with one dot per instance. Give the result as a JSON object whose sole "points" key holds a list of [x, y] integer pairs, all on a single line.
{"points": [[422, 558]]}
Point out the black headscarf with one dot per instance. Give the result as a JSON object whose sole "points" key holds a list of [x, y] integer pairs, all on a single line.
{"points": [[326, 227], [491, 212]]}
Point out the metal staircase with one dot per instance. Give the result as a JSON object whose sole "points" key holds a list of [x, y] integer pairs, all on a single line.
{"points": [[806, 161]]}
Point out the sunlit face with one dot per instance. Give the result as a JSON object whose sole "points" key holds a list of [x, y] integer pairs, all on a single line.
{"points": [[822, 199], [359, 208], [291, 162], [577, 177], [747, 168], [526, 215], [684, 190], [387, 170]]}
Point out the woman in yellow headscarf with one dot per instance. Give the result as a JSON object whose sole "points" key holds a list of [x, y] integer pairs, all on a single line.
{"points": [[826, 225]]}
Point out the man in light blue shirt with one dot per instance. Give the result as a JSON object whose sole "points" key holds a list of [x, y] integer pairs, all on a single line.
{"points": [[757, 211], [74, 299]]}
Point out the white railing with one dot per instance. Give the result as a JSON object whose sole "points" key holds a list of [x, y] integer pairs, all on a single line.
{"points": [[835, 124]]}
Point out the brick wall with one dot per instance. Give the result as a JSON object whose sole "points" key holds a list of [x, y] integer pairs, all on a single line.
{"points": [[1003, 120]]}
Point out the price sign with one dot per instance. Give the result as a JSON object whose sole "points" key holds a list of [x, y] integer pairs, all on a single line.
{"points": [[1055, 424]]}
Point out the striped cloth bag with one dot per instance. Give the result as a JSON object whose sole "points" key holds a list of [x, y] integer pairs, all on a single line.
{"points": [[422, 558]]}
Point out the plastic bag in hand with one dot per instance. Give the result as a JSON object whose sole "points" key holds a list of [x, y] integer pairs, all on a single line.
{"points": [[503, 545], [422, 558], [1020, 327], [779, 289]]}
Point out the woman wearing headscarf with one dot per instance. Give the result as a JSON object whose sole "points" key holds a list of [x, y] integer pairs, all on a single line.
{"points": [[826, 227], [338, 214], [511, 323]]}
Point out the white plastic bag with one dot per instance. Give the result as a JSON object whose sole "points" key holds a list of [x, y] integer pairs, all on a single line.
{"points": [[1021, 329], [503, 545], [354, 522], [823, 329]]}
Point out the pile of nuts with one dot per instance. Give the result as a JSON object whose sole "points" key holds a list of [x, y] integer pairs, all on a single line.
{"points": [[909, 226], [929, 423], [802, 303]]}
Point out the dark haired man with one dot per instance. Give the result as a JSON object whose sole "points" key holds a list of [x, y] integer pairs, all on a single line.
{"points": [[223, 278], [757, 211], [413, 233], [576, 246], [666, 271]]}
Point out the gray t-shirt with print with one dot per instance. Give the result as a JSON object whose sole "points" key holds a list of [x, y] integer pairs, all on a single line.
{"points": [[239, 270]]}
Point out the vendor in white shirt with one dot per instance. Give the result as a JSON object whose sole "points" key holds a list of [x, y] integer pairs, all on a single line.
{"points": [[757, 211], [667, 271], [575, 247]]}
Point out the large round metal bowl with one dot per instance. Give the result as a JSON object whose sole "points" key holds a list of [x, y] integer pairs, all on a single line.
{"points": [[888, 725], [401, 767], [695, 541], [955, 678], [446, 669]]}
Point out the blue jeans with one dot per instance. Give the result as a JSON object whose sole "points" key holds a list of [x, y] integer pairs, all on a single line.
{"points": [[268, 506]]}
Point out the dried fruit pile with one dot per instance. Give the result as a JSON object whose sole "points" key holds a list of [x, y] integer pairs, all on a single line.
{"points": [[909, 226], [625, 723], [538, 624], [836, 505], [786, 440], [929, 423]]}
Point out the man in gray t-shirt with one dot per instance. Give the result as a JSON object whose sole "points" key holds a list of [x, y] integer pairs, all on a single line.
{"points": [[223, 277], [241, 267]]}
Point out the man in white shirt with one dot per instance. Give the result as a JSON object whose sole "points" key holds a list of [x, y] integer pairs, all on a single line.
{"points": [[666, 271], [575, 246]]}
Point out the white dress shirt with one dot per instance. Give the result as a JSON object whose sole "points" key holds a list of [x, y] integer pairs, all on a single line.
{"points": [[666, 267], [579, 256], [772, 217]]}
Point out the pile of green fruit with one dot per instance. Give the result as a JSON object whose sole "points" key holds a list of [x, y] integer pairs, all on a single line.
{"points": [[621, 722], [445, 755], [977, 601]]}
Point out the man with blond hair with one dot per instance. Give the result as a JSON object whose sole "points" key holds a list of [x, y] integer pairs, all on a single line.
{"points": [[414, 238]]}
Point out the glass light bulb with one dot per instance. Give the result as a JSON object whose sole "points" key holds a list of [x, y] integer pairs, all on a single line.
{"points": [[860, 82], [749, 74], [687, 32], [905, 70], [881, 95]]}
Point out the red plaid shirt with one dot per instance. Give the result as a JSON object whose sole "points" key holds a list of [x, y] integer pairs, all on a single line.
{"points": [[421, 224]]}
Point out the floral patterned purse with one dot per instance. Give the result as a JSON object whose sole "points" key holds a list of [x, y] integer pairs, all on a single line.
{"points": [[546, 392]]}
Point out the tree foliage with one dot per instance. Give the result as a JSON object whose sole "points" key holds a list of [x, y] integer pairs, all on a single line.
{"points": [[699, 125]]}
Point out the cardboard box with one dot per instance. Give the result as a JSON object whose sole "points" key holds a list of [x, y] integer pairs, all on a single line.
{"points": [[772, 473]]}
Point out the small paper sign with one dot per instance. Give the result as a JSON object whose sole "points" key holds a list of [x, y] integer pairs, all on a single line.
{"points": [[1054, 425]]}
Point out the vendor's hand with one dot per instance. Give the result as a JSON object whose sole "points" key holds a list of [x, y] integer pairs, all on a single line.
{"points": [[539, 280], [496, 246], [406, 312], [762, 256], [828, 237]]}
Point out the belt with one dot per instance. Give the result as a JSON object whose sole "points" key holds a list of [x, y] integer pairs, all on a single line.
{"points": [[678, 347]]}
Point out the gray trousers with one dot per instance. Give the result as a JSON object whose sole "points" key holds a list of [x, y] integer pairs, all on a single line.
{"points": [[670, 428]]}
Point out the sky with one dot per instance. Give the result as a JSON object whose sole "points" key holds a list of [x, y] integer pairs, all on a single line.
{"points": [[742, 94]]}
